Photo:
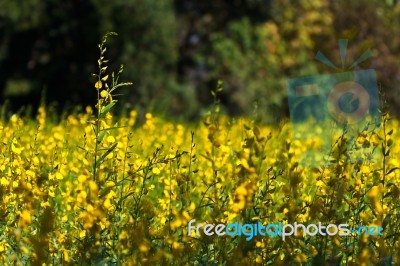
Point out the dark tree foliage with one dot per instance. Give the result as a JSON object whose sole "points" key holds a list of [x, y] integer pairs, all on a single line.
{"points": [[199, 20], [53, 49], [175, 51]]}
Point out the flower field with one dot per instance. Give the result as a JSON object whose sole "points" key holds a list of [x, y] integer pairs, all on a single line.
{"points": [[159, 175], [93, 189]]}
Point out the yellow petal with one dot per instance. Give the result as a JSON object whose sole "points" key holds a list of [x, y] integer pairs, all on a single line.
{"points": [[110, 139], [98, 85], [156, 171]]}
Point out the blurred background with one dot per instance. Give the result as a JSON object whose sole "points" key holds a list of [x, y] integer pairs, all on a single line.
{"points": [[176, 51]]}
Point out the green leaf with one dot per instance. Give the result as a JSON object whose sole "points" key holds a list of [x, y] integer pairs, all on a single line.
{"points": [[387, 194], [80, 147], [101, 136], [99, 162], [111, 128], [106, 109], [121, 85], [386, 220], [392, 170]]}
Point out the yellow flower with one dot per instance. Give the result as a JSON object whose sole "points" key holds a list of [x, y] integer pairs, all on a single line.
{"points": [[4, 181], [15, 149], [110, 139], [107, 204], [241, 190], [35, 160], [123, 235], [177, 246], [66, 256], [81, 178], [103, 93], [24, 250], [98, 85], [239, 206], [59, 176], [156, 171], [301, 258], [25, 218], [30, 173], [110, 184], [45, 204], [373, 193], [82, 234], [144, 247], [90, 208]]}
